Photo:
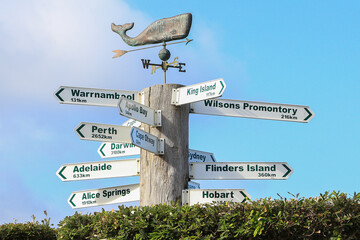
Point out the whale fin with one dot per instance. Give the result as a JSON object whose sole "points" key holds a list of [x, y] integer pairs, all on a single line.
{"points": [[121, 28]]}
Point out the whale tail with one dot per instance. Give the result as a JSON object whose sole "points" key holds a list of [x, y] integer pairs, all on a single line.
{"points": [[121, 29]]}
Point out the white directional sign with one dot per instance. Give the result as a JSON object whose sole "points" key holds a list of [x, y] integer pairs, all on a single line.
{"points": [[247, 109], [193, 185], [198, 92], [97, 170], [200, 156], [139, 112], [93, 96], [103, 132], [111, 150], [103, 196], [240, 170], [147, 141], [131, 123], [194, 196]]}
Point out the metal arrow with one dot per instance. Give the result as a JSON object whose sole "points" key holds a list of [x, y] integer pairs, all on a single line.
{"points": [[119, 53]]}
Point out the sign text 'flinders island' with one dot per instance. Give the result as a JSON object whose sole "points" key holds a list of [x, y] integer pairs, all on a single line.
{"points": [[93, 96], [240, 170]]}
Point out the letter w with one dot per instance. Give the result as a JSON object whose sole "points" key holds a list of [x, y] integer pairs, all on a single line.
{"points": [[146, 63]]}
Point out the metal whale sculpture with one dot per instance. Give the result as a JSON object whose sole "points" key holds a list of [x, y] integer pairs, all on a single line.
{"points": [[162, 30]]}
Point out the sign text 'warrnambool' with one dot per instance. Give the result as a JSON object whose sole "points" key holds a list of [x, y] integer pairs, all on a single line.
{"points": [[104, 196], [194, 196], [93, 96], [103, 132], [240, 170], [98, 170], [198, 92], [248, 109]]}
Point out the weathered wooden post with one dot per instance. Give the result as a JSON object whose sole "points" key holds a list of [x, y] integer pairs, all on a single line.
{"points": [[163, 177]]}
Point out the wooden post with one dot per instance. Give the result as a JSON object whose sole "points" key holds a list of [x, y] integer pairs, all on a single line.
{"points": [[162, 178]]}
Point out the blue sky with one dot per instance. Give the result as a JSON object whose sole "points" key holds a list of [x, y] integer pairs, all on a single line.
{"points": [[304, 53]]}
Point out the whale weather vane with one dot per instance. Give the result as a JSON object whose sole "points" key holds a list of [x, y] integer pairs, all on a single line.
{"points": [[161, 31]]}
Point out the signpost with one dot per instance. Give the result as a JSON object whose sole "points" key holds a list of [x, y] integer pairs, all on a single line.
{"points": [[147, 141], [200, 156], [164, 177], [198, 92], [103, 132], [103, 196], [139, 112], [97, 170], [111, 150], [93, 96], [194, 196], [247, 109], [240, 170]]}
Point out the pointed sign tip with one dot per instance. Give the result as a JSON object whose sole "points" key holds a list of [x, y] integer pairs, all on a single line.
{"points": [[310, 115], [57, 94]]}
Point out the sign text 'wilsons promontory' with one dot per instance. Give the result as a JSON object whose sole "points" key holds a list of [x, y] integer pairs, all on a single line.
{"points": [[198, 92], [247, 109], [194, 196], [240, 170], [93, 96], [139, 112], [103, 132], [98, 170], [103, 196]]}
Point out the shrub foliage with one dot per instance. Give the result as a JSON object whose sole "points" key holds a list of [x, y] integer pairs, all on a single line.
{"points": [[28, 231], [329, 216]]}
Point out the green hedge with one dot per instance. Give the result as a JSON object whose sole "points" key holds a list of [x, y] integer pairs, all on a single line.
{"points": [[28, 231], [329, 216]]}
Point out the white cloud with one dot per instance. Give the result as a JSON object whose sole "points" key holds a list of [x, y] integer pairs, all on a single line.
{"points": [[45, 44]]}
